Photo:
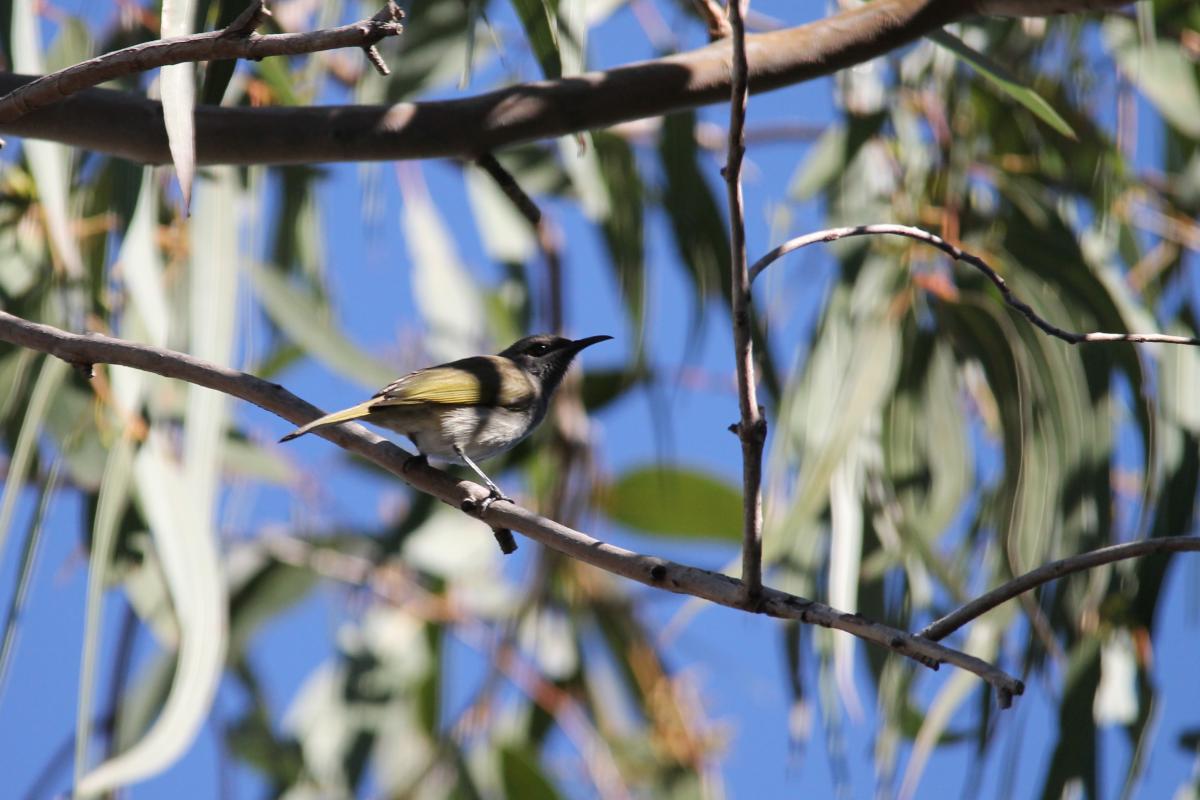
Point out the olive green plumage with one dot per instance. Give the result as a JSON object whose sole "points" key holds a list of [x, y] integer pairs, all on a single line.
{"points": [[473, 408]]}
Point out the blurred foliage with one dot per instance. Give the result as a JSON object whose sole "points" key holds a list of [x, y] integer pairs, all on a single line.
{"points": [[962, 445]]}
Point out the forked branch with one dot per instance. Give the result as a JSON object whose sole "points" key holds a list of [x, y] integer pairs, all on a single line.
{"points": [[239, 40]]}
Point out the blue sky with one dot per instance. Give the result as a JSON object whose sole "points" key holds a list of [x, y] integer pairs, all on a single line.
{"points": [[736, 659]]}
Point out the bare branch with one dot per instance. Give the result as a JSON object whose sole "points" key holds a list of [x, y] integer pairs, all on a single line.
{"points": [[237, 41], [958, 254], [1053, 571], [656, 572], [130, 126], [752, 427]]}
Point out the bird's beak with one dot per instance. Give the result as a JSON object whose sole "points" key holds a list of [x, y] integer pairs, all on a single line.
{"points": [[580, 344]]}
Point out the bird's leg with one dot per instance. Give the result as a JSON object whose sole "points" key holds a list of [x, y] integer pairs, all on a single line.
{"points": [[419, 460], [495, 495]]}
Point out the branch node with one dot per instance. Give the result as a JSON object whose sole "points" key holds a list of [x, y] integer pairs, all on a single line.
{"points": [[504, 538]]}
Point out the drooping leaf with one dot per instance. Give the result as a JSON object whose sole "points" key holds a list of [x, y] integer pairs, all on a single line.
{"points": [[178, 84], [539, 18], [674, 501], [305, 320], [624, 224], [49, 379], [1161, 70], [1005, 81], [697, 223], [445, 292], [523, 776], [218, 73]]}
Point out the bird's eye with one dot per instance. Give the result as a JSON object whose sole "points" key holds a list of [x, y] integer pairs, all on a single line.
{"points": [[539, 349]]}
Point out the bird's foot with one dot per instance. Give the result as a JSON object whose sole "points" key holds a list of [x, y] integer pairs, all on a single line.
{"points": [[480, 507], [494, 497], [419, 460]]}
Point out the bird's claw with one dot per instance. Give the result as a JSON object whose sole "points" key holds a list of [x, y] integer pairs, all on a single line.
{"points": [[494, 497]]}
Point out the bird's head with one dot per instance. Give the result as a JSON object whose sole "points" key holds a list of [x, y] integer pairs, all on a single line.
{"points": [[546, 356]]}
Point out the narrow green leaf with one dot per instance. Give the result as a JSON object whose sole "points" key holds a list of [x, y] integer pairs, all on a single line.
{"points": [[623, 226], [540, 20], [696, 219], [49, 378], [110, 505], [33, 538], [523, 777], [305, 321], [1005, 81], [218, 73], [674, 501], [178, 89]]}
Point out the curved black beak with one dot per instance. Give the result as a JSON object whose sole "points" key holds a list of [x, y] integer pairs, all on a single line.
{"points": [[579, 344]]}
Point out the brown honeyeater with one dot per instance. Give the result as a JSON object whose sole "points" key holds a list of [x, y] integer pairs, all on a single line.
{"points": [[471, 409]]}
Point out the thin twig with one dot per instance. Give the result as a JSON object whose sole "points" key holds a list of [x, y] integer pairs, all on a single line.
{"points": [[752, 428], [649, 570], [236, 41], [958, 254], [1053, 571]]}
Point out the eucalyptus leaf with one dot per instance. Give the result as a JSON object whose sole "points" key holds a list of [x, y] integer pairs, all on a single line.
{"points": [[1005, 81], [539, 18], [305, 320], [674, 501]]}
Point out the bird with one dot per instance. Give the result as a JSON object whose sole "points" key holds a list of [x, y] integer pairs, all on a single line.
{"points": [[472, 409]]}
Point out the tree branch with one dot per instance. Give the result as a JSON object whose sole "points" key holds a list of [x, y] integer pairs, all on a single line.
{"points": [[715, 587], [1053, 571], [958, 254], [237, 41], [751, 429], [130, 126]]}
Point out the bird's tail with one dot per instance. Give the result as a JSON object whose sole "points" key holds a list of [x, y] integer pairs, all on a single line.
{"points": [[345, 415]]}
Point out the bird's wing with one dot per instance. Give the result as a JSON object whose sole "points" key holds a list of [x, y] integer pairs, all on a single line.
{"points": [[488, 380]]}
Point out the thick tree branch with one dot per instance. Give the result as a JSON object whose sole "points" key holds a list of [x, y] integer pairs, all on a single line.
{"points": [[751, 429], [958, 254], [1053, 571], [96, 349], [130, 126], [237, 41]]}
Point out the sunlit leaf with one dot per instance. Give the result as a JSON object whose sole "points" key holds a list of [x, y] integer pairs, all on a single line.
{"points": [[1161, 70], [444, 290], [305, 320], [49, 163], [178, 91], [1004, 80], [674, 501]]}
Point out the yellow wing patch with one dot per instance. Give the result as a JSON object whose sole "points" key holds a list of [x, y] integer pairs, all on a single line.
{"points": [[472, 381]]}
